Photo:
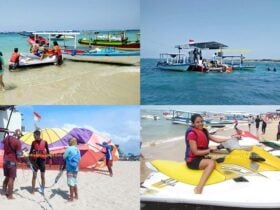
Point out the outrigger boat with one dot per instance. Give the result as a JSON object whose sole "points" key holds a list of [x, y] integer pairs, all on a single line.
{"points": [[202, 65], [103, 55], [107, 55], [240, 65], [119, 41], [173, 61], [180, 62]]}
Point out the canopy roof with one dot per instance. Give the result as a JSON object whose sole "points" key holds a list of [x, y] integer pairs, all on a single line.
{"points": [[203, 45], [209, 45]]}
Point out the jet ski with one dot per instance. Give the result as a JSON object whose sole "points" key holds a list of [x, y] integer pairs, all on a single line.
{"points": [[242, 179], [29, 59]]}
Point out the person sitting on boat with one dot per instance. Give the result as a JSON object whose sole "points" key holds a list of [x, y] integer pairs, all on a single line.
{"points": [[15, 57], [197, 148], [35, 48], [45, 52], [57, 52]]}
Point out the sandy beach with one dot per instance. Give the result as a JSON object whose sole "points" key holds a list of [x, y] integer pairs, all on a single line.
{"points": [[175, 150], [97, 190], [73, 83]]}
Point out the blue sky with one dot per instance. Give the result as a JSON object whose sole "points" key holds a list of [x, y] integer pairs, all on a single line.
{"points": [[213, 108], [240, 24], [33, 15], [121, 123]]}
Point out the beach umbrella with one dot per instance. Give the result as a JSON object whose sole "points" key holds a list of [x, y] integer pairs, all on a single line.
{"points": [[50, 135]]}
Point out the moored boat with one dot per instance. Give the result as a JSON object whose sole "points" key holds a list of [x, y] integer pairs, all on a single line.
{"points": [[103, 55]]}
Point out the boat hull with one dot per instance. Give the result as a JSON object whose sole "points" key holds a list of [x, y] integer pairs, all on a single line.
{"points": [[173, 67], [122, 60], [30, 60]]}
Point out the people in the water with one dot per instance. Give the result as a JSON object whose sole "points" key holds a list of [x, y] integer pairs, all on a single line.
{"points": [[108, 156], [39, 152], [57, 52], [197, 150], [12, 151], [15, 57], [72, 158], [2, 85]]}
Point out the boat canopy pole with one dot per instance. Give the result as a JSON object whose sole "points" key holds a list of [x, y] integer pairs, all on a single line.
{"points": [[8, 123]]}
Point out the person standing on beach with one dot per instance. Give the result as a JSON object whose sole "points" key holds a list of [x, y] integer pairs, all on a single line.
{"points": [[197, 148], [249, 123], [72, 157], [2, 85], [57, 52], [278, 133], [264, 124], [257, 121], [108, 156], [12, 150], [39, 152]]}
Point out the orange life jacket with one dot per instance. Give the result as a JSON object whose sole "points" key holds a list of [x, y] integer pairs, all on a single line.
{"points": [[39, 149], [15, 57]]}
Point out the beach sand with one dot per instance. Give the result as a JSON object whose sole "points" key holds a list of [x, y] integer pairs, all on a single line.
{"points": [[97, 190], [73, 83], [175, 150]]}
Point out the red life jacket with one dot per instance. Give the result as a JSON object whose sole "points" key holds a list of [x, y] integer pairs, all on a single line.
{"points": [[15, 57], [39, 149], [202, 141]]}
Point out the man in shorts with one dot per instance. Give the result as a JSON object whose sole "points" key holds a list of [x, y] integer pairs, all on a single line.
{"points": [[12, 150]]}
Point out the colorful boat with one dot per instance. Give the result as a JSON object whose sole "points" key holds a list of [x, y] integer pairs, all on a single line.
{"points": [[118, 40], [103, 55]]}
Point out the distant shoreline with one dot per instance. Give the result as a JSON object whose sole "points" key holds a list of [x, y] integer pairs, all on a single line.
{"points": [[247, 60]]}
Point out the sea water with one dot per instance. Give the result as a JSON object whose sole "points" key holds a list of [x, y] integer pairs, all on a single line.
{"points": [[161, 130], [256, 87]]}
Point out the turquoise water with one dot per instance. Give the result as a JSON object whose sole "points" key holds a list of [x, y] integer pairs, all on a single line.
{"points": [[159, 130], [258, 87], [9, 41]]}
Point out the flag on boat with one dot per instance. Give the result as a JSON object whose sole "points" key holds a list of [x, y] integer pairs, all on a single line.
{"points": [[37, 117], [191, 41]]}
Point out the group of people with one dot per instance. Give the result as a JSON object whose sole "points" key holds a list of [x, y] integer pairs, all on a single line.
{"points": [[43, 50], [38, 155]]}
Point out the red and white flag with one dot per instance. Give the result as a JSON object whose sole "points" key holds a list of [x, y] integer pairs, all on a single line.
{"points": [[191, 41], [37, 117]]}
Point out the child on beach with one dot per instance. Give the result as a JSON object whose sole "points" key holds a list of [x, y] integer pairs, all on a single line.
{"points": [[2, 86], [72, 158], [108, 156]]}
